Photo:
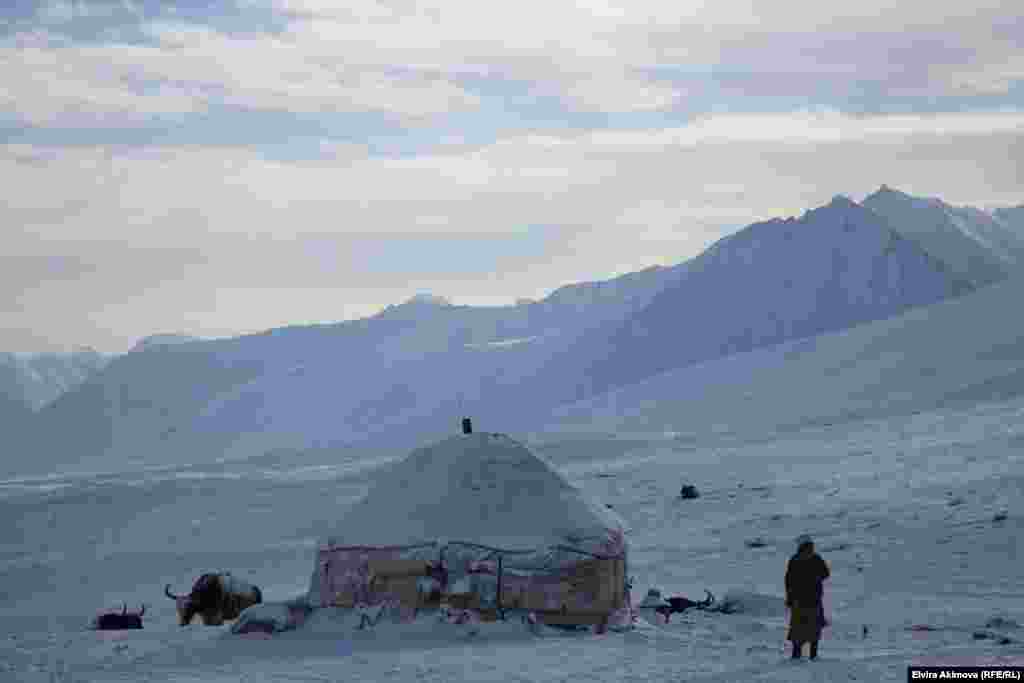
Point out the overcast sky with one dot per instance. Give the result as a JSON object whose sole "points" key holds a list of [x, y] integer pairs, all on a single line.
{"points": [[212, 168]]}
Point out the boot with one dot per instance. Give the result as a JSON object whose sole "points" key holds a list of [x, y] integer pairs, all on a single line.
{"points": [[814, 649], [797, 646]]}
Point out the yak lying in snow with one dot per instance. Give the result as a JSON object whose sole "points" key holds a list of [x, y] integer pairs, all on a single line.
{"points": [[215, 598], [680, 604], [112, 621]]}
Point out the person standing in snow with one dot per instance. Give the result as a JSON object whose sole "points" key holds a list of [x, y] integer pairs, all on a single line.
{"points": [[804, 576]]}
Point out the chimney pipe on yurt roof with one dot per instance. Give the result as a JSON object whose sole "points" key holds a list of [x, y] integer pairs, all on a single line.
{"points": [[467, 426]]}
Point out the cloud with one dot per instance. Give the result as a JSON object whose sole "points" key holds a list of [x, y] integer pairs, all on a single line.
{"points": [[815, 127], [417, 61], [276, 73], [91, 228], [754, 48], [64, 11], [50, 82]]}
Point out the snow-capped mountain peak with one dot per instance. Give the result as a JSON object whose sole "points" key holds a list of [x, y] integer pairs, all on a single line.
{"points": [[974, 244], [154, 341], [428, 299], [836, 266], [421, 306], [841, 201]]}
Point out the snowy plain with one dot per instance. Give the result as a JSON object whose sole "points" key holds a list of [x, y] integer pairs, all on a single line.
{"points": [[903, 508]]}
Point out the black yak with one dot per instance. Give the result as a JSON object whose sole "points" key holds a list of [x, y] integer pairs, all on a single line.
{"points": [[112, 621], [215, 598]]}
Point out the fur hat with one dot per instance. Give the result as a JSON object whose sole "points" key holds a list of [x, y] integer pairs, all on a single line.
{"points": [[802, 540]]}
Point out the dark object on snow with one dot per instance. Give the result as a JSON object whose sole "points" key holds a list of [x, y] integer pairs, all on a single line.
{"points": [[256, 627], [1001, 622], [805, 573], [755, 542], [999, 517], [989, 635], [681, 604], [113, 621], [215, 598], [467, 426], [689, 492]]}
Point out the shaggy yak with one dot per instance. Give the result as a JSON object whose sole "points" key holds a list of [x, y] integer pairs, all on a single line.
{"points": [[112, 621], [215, 598]]}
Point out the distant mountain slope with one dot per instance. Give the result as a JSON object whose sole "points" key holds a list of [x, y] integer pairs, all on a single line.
{"points": [[29, 381], [136, 398], [15, 412], [1002, 236], [1011, 219], [39, 378], [975, 247], [959, 351], [320, 384], [835, 267], [416, 378]]}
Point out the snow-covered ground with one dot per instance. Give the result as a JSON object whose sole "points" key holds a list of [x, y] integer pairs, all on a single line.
{"points": [[904, 509]]}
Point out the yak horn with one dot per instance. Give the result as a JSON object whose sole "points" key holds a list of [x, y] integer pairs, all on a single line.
{"points": [[143, 610], [124, 608], [168, 593], [710, 599]]}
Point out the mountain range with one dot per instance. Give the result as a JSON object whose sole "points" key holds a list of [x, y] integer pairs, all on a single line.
{"points": [[409, 372], [952, 355]]}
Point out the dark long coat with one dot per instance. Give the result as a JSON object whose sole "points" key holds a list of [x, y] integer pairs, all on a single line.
{"points": [[804, 576]]}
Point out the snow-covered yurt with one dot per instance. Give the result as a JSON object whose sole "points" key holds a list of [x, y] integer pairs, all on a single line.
{"points": [[478, 522]]}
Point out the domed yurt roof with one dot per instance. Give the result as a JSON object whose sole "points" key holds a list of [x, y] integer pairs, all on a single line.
{"points": [[476, 488]]}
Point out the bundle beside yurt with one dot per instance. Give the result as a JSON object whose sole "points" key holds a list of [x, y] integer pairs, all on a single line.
{"points": [[477, 522]]}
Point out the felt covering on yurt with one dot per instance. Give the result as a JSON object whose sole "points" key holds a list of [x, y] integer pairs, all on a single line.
{"points": [[452, 510]]}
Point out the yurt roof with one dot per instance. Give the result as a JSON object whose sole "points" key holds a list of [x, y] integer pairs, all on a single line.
{"points": [[475, 488]]}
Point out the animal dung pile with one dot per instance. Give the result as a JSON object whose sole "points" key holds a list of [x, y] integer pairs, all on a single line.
{"points": [[689, 492]]}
